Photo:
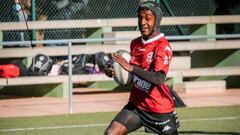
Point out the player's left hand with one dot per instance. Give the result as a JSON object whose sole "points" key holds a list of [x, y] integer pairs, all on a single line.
{"points": [[119, 59], [109, 71]]}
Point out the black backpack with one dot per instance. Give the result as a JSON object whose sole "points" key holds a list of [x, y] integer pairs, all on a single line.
{"points": [[103, 60], [87, 64], [22, 68], [78, 64], [41, 65]]}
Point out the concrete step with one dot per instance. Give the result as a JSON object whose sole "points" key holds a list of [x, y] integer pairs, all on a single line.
{"points": [[200, 87], [181, 63]]}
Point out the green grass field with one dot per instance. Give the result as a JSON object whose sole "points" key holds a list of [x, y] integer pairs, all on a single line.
{"points": [[194, 121]]}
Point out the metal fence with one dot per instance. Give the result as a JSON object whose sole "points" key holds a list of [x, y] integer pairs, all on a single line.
{"points": [[104, 9]]}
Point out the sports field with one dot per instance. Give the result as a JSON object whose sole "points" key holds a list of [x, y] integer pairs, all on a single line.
{"points": [[199, 121]]}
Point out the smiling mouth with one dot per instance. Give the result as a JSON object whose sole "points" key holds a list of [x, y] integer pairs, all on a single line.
{"points": [[144, 30]]}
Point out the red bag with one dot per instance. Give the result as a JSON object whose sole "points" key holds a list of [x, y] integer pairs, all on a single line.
{"points": [[9, 71]]}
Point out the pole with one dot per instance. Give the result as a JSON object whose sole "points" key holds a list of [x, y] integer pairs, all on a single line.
{"points": [[33, 17], [70, 85]]}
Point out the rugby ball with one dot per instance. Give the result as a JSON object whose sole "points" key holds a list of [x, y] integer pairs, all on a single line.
{"points": [[121, 76]]}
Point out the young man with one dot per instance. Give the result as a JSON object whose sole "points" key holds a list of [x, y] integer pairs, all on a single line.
{"points": [[150, 104]]}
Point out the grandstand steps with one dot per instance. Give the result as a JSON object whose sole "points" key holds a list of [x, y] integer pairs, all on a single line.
{"points": [[178, 63], [91, 49], [200, 86]]}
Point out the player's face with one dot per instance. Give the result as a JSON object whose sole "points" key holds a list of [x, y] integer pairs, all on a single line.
{"points": [[146, 22]]}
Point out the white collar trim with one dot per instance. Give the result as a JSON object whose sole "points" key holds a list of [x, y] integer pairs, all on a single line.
{"points": [[152, 39]]}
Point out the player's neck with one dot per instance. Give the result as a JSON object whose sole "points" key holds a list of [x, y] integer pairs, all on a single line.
{"points": [[152, 39]]}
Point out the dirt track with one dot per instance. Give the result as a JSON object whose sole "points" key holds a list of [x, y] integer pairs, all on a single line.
{"points": [[100, 102]]}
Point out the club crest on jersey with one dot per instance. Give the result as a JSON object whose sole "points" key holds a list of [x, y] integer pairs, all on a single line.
{"points": [[149, 58]]}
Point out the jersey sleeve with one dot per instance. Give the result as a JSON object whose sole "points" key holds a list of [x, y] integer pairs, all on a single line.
{"points": [[131, 47], [163, 58], [133, 44]]}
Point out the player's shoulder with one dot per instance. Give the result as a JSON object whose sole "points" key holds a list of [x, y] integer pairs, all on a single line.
{"points": [[137, 40], [163, 42]]}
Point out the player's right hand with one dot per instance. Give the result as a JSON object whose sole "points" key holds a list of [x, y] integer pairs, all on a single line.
{"points": [[123, 62]]}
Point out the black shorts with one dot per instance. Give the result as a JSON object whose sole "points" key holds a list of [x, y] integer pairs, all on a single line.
{"points": [[133, 118]]}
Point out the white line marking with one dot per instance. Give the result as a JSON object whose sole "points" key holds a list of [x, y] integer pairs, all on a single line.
{"points": [[53, 127], [104, 125], [211, 119]]}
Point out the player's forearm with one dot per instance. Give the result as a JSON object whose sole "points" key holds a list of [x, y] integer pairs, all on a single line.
{"points": [[157, 78]]}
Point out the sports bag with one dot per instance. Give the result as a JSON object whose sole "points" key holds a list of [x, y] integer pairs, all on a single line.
{"points": [[23, 70], [78, 64], [9, 71], [41, 65], [103, 60]]}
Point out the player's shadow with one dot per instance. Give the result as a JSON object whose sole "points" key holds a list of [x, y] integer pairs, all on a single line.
{"points": [[208, 132]]}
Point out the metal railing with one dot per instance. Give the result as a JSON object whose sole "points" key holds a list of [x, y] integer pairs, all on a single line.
{"points": [[92, 40]]}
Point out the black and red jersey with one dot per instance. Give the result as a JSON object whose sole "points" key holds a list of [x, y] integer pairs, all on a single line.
{"points": [[155, 55]]}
